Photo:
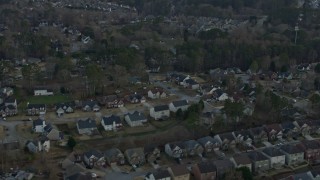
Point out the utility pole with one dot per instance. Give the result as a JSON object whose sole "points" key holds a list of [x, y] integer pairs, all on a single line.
{"points": [[296, 29]]}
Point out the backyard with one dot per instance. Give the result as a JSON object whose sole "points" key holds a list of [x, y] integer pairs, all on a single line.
{"points": [[48, 100]]}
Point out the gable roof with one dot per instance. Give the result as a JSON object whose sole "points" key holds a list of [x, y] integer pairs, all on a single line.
{"points": [[112, 152], [206, 167], [206, 139], [242, 159], [161, 108], [109, 120], [311, 144], [48, 128], [38, 122], [271, 127], [257, 156], [272, 152], [180, 103], [179, 170], [229, 136], [161, 174], [291, 149], [256, 131], [94, 153], [149, 148], [136, 116], [36, 106], [88, 123]]}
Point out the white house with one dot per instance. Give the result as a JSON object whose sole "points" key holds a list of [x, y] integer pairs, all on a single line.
{"points": [[135, 119], [111, 123], [41, 144], [175, 105], [38, 125], [174, 149], [94, 158], [241, 160], [43, 92], [160, 112], [277, 158]]}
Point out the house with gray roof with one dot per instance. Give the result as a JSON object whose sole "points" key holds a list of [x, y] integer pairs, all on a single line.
{"points": [[114, 156], [52, 133], [135, 156], [204, 170], [160, 112], [181, 104], [87, 126], [38, 125], [260, 162], [294, 155], [36, 109], [151, 152], [158, 174], [276, 157], [226, 140], [175, 149], [93, 158], [242, 160], [111, 123], [193, 148], [209, 144], [223, 166], [90, 105], [135, 119]]}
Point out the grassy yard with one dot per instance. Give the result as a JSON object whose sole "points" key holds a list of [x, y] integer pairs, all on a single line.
{"points": [[48, 100]]}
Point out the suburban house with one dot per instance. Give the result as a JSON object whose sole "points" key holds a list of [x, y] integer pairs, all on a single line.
{"points": [[38, 125], [193, 148], [258, 134], [87, 126], [274, 131], [90, 105], [209, 118], [260, 162], [204, 171], [191, 84], [181, 104], [241, 160], [289, 130], [294, 155], [226, 140], [52, 133], [178, 78], [301, 176], [136, 98], [159, 174], [40, 144], [156, 94], [219, 95], [175, 149], [43, 92], [114, 156], [304, 127], [135, 156], [93, 158], [111, 123], [36, 109], [151, 152], [160, 112], [10, 101], [8, 110], [311, 150], [223, 166], [135, 119], [110, 101], [62, 108], [179, 172], [210, 144], [276, 157], [243, 137]]}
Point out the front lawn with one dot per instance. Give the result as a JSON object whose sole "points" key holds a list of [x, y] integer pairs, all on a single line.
{"points": [[48, 100]]}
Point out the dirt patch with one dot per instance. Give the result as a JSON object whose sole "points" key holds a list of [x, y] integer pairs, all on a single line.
{"points": [[2, 132], [26, 131]]}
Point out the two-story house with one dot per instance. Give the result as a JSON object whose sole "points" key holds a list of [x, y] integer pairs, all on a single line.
{"points": [[181, 104], [160, 112], [87, 126], [303, 126], [204, 171], [241, 160], [260, 162], [114, 156], [135, 156], [258, 134], [209, 144], [193, 148], [175, 149], [152, 153], [135, 119], [111, 123], [276, 157], [36, 109], [41, 144], [289, 130], [38, 125], [227, 140], [223, 166], [159, 174], [274, 131], [90, 105], [294, 155], [243, 137], [156, 94], [93, 158], [311, 150], [179, 172]]}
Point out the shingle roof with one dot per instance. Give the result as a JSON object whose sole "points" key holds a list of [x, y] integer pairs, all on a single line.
{"points": [[88, 123], [272, 152], [48, 128], [311, 144], [136, 116], [206, 167], [112, 152], [109, 120], [93, 152], [161, 174], [36, 106], [179, 170], [242, 159], [180, 103], [257, 156], [161, 108], [229, 136], [206, 139], [291, 149], [38, 122]]}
